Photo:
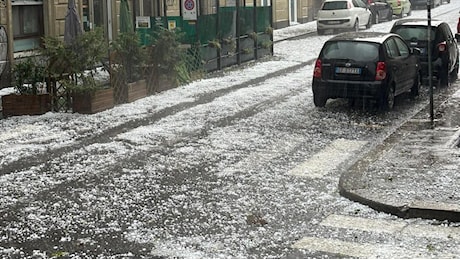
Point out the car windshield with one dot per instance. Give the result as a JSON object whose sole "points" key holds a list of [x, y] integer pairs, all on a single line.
{"points": [[415, 33], [335, 5], [351, 50]]}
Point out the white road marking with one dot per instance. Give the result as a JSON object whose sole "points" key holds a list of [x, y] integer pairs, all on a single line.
{"points": [[328, 159], [391, 226], [378, 250], [353, 249], [365, 224], [336, 246], [437, 232]]}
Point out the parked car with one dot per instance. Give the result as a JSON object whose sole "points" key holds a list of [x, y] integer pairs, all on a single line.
{"points": [[422, 3], [343, 15], [401, 7], [444, 49], [381, 10], [372, 65]]}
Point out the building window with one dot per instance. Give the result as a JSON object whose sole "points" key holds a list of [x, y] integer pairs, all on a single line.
{"points": [[27, 25], [94, 14]]}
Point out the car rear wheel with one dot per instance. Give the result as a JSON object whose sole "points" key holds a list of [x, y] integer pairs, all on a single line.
{"points": [[369, 22], [319, 100], [414, 91], [443, 77], [376, 18], [356, 26], [454, 73], [387, 100]]}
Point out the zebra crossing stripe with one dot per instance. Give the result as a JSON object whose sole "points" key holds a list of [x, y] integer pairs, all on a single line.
{"points": [[391, 226], [364, 224], [428, 231], [363, 250], [322, 163], [335, 246], [369, 250]]}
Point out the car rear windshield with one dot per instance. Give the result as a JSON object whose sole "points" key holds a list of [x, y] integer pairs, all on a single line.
{"points": [[415, 33], [351, 50], [335, 5]]}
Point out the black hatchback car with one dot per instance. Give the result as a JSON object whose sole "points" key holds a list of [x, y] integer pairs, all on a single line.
{"points": [[365, 65], [444, 49]]}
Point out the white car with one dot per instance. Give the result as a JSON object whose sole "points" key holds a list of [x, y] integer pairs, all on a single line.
{"points": [[343, 15]]}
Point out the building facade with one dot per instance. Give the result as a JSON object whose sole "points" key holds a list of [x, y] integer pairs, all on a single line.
{"points": [[27, 21]]}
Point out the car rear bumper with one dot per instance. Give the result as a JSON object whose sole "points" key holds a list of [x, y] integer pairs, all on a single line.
{"points": [[334, 24], [397, 10], [347, 89]]}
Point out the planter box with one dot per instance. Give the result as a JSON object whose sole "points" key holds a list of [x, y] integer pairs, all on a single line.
{"points": [[92, 102], [137, 90], [18, 105]]}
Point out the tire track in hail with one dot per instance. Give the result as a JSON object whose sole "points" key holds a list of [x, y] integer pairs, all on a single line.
{"points": [[106, 136]]}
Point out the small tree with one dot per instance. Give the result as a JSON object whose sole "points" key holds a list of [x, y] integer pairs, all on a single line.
{"points": [[77, 60], [167, 57], [128, 57]]}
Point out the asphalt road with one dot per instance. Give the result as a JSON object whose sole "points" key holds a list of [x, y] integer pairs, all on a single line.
{"points": [[248, 171]]}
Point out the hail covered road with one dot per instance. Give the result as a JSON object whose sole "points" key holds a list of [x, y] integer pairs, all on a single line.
{"points": [[241, 165]]}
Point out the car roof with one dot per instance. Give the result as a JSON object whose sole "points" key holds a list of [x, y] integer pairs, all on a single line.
{"points": [[377, 37], [418, 22]]}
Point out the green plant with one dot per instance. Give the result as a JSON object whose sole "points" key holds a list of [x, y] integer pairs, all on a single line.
{"points": [[231, 43], [269, 30], [253, 36], [168, 57], [246, 51], [74, 64], [214, 44], [266, 44], [83, 55], [128, 58], [27, 74], [84, 83]]}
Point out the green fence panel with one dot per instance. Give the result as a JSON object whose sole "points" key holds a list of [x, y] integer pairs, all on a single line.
{"points": [[188, 28], [207, 28], [227, 21], [263, 18], [246, 20]]}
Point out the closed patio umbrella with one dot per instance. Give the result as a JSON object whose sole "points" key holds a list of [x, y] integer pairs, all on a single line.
{"points": [[73, 26], [126, 24]]}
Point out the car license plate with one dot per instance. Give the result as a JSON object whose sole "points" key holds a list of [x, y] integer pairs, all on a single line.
{"points": [[345, 70], [333, 22]]}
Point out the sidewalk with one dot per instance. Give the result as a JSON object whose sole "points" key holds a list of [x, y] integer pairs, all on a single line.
{"points": [[421, 167]]}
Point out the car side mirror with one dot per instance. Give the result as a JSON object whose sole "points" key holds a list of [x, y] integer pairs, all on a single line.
{"points": [[416, 51]]}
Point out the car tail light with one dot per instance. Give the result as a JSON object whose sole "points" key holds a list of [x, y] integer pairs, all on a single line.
{"points": [[349, 5], [442, 47], [317, 70], [381, 71]]}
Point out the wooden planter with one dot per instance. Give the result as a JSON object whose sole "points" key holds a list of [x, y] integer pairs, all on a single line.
{"points": [[92, 102], [137, 90], [18, 105]]}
